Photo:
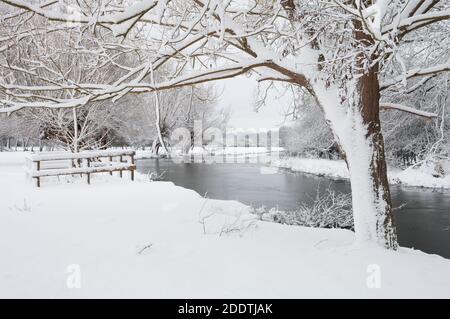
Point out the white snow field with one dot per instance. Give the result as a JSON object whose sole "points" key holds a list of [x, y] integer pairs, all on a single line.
{"points": [[117, 238], [337, 169]]}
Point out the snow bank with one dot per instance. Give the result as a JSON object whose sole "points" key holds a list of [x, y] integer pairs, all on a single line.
{"points": [[157, 240], [240, 150], [321, 167], [146, 155], [418, 178], [337, 169]]}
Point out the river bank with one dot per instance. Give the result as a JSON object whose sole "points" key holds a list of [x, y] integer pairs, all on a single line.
{"points": [[209, 151], [337, 169]]}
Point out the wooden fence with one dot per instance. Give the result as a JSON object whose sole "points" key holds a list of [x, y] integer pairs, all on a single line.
{"points": [[83, 163]]}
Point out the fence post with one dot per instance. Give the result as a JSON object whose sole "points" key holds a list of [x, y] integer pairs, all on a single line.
{"points": [[38, 168], [88, 164], [132, 163], [120, 161], [110, 163]]}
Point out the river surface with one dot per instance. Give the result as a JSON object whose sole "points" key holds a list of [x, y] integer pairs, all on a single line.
{"points": [[423, 222]]}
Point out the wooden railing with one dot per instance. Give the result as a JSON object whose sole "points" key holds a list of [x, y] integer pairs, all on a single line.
{"points": [[83, 163]]}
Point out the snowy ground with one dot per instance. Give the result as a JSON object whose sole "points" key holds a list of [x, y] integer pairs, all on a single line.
{"points": [[154, 239], [337, 169]]}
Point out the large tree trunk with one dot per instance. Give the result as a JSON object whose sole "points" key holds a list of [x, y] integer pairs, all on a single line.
{"points": [[356, 126], [374, 218], [367, 103]]}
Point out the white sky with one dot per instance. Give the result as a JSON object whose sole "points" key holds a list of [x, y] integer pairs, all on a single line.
{"points": [[239, 94]]}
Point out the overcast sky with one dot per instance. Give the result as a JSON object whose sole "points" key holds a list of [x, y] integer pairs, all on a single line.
{"points": [[239, 93]]}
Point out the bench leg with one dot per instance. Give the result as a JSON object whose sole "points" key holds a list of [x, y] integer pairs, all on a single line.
{"points": [[132, 174], [38, 182]]}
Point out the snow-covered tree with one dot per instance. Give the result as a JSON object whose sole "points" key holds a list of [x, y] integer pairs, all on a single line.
{"points": [[178, 108], [16, 130], [341, 52], [183, 108], [426, 138], [308, 135], [77, 129]]}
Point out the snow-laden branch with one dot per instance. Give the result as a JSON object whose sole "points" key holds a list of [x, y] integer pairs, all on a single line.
{"points": [[137, 9], [9, 106], [16, 14], [413, 15], [59, 87], [404, 108], [416, 21], [416, 72], [202, 76], [414, 7], [115, 90]]}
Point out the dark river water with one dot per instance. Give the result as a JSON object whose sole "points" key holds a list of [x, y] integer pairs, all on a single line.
{"points": [[422, 223]]}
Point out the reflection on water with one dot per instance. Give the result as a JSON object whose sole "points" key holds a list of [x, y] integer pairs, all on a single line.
{"points": [[423, 223]]}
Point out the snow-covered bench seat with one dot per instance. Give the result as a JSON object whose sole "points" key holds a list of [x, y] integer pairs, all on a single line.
{"points": [[86, 163]]}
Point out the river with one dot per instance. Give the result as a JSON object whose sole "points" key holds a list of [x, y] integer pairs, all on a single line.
{"points": [[422, 223]]}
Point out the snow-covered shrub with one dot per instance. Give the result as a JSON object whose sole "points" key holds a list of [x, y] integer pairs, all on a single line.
{"points": [[218, 220], [155, 176], [329, 210]]}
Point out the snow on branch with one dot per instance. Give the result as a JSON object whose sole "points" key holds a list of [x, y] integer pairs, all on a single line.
{"points": [[417, 21], [137, 9], [414, 7], [9, 107], [404, 108], [223, 72], [16, 14], [417, 72], [137, 85]]}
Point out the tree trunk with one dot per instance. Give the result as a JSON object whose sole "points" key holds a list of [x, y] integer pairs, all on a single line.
{"points": [[75, 129], [158, 118], [356, 126], [374, 218], [366, 102], [154, 144]]}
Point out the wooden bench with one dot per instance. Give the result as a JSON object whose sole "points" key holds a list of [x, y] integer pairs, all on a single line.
{"points": [[87, 162]]}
